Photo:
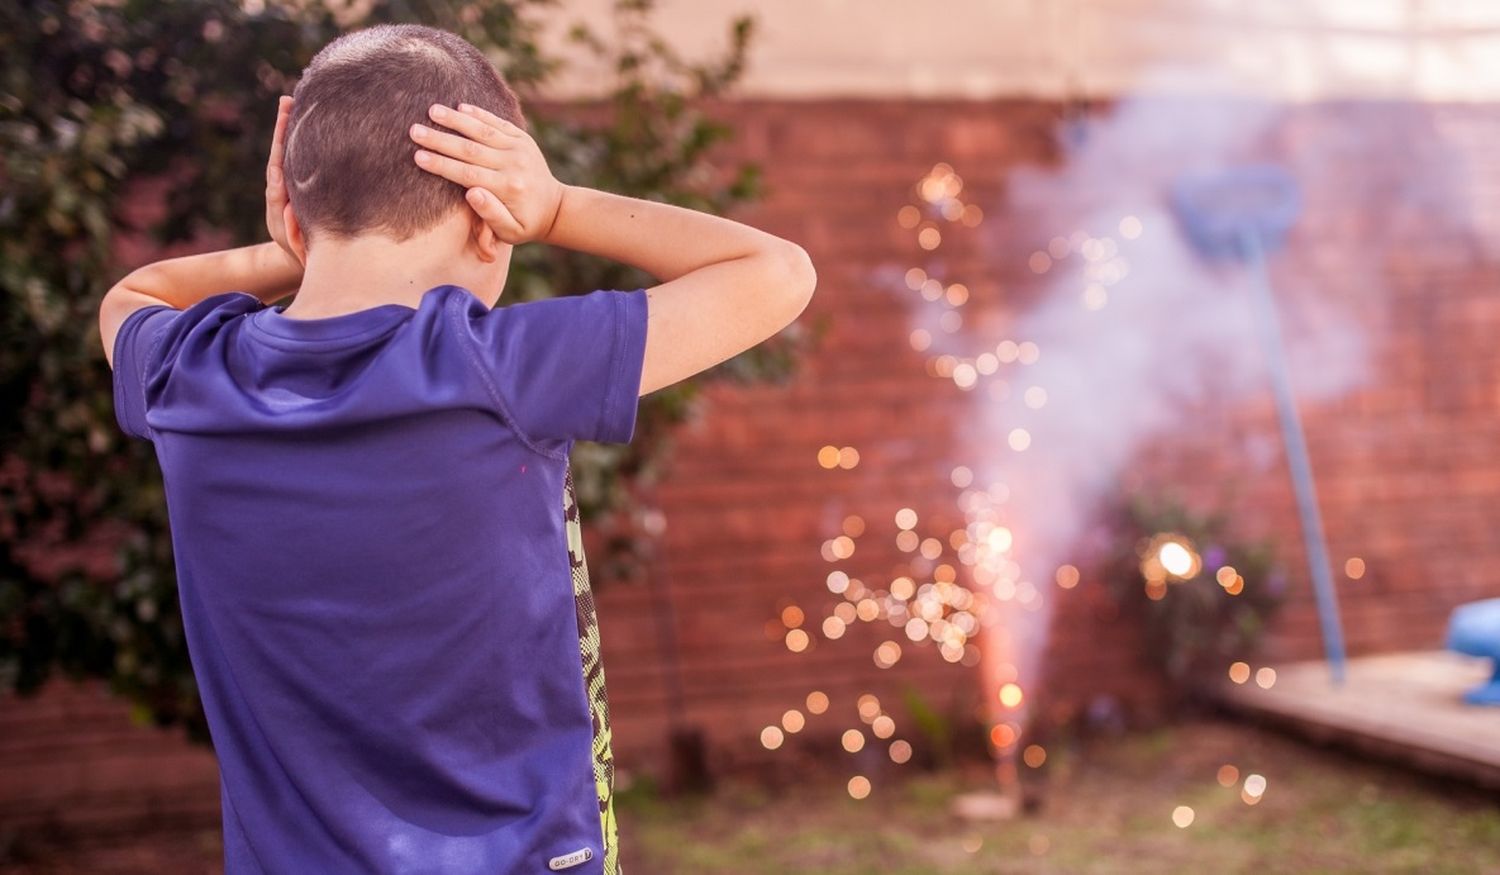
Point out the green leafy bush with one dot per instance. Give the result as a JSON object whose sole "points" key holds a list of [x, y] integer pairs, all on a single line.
{"points": [[1204, 597]]}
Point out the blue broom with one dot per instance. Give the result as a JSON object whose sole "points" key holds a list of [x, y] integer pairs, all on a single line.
{"points": [[1242, 214]]}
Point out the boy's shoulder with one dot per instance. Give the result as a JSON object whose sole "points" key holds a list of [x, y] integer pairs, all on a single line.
{"points": [[151, 332]]}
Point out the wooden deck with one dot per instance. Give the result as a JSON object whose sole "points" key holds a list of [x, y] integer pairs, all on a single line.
{"points": [[1402, 706]]}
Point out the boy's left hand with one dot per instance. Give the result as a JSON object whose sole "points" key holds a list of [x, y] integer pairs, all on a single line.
{"points": [[506, 176]]}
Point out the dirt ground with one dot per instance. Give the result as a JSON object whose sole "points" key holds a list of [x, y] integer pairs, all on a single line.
{"points": [[1111, 806]]}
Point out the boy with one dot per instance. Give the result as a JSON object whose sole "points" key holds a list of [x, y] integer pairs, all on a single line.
{"points": [[377, 551]]}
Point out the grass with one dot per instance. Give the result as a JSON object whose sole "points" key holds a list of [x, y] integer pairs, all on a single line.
{"points": [[1106, 809]]}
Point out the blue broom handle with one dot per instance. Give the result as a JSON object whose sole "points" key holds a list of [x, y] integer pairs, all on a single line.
{"points": [[1298, 462]]}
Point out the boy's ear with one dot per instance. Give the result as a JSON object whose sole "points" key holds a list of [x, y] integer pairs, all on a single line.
{"points": [[294, 237], [487, 246]]}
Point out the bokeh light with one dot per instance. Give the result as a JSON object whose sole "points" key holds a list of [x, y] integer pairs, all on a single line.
{"points": [[887, 654], [1253, 789], [1228, 775]]}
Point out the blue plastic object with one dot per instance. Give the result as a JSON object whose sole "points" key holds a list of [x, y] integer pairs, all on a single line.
{"points": [[1218, 208], [1474, 629], [1241, 214]]}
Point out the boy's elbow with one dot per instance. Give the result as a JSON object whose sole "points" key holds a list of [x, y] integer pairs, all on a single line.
{"points": [[135, 287], [799, 279]]}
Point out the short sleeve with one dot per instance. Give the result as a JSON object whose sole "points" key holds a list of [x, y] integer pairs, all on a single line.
{"points": [[136, 340], [564, 368]]}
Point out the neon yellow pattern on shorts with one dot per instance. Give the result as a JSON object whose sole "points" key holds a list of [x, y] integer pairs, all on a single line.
{"points": [[593, 676]]}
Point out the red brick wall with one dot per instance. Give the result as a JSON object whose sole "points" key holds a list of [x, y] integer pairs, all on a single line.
{"points": [[1390, 232], [72, 759], [1398, 232], [1408, 478]]}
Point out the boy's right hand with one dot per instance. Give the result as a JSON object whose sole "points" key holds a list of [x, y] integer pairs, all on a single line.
{"points": [[276, 190], [508, 181]]}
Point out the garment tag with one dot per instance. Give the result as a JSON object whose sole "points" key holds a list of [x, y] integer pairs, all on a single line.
{"points": [[568, 861]]}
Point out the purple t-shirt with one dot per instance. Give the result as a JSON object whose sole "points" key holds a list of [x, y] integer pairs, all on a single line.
{"points": [[373, 567]]}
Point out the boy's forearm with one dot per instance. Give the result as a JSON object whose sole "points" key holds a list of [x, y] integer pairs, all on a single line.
{"points": [[664, 240], [264, 270]]}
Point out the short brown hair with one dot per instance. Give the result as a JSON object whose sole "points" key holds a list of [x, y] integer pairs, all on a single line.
{"points": [[348, 161]]}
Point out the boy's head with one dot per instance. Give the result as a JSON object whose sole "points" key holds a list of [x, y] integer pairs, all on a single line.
{"points": [[348, 160]]}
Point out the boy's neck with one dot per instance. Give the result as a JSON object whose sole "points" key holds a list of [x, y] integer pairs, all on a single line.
{"points": [[345, 276]]}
